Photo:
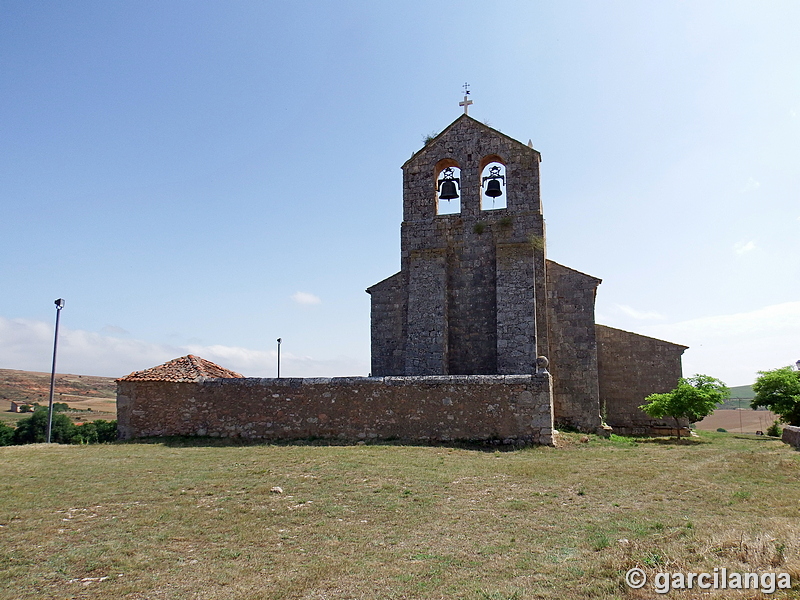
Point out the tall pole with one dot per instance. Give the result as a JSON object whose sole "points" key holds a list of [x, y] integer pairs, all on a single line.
{"points": [[279, 358], [59, 305]]}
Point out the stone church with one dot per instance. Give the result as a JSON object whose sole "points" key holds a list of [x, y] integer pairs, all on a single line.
{"points": [[476, 294], [457, 334]]}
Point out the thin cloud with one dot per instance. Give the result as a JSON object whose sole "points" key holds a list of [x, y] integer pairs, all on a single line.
{"points": [[115, 330], [751, 186], [305, 298], [744, 247], [28, 345], [734, 347], [641, 315]]}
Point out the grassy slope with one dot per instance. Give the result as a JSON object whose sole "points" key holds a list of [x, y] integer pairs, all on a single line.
{"points": [[165, 521], [79, 391]]}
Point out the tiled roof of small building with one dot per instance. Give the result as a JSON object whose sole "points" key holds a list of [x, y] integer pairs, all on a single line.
{"points": [[185, 368]]}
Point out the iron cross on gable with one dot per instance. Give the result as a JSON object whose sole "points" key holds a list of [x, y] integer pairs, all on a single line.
{"points": [[466, 101]]}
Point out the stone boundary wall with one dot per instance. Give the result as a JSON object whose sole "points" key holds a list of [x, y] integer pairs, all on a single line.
{"points": [[791, 435], [507, 408]]}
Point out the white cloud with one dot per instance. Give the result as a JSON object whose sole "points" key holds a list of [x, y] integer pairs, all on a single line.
{"points": [[641, 315], [751, 186], [305, 298], [28, 345], [115, 330], [734, 347], [743, 248]]}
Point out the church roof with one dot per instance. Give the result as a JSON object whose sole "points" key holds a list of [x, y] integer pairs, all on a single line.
{"points": [[186, 368], [470, 122], [586, 275], [631, 333]]}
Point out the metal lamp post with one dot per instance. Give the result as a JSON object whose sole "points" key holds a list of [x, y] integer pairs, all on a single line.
{"points": [[279, 358], [59, 305]]}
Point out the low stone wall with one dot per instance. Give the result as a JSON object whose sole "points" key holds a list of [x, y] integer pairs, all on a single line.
{"points": [[509, 408], [791, 435]]}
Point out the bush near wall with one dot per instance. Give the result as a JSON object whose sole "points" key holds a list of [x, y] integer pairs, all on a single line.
{"points": [[33, 430]]}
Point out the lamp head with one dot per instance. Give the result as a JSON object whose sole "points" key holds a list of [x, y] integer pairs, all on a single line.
{"points": [[59, 303]]}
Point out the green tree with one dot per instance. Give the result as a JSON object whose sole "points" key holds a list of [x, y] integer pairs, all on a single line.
{"points": [[106, 431], [6, 435], [95, 432], [33, 430], [779, 391], [694, 398]]}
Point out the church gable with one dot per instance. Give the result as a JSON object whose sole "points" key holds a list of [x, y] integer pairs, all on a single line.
{"points": [[478, 159]]}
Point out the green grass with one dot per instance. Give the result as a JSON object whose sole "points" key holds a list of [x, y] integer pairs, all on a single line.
{"points": [[197, 519]]}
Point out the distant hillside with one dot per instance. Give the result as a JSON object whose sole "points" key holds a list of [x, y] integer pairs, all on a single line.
{"points": [[31, 386], [740, 397], [743, 391]]}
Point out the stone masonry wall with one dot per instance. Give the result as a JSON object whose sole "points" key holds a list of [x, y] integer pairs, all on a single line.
{"points": [[791, 435], [512, 409], [631, 367], [516, 312], [573, 347], [473, 277], [426, 320], [388, 312]]}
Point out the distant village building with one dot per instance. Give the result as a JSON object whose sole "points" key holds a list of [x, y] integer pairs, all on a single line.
{"points": [[18, 406]]}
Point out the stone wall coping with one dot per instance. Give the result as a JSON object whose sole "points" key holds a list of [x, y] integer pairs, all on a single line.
{"points": [[388, 380]]}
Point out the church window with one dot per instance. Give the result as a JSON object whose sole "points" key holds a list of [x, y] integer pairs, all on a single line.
{"points": [[448, 187], [493, 183]]}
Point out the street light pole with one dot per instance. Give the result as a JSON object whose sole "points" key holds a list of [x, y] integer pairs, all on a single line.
{"points": [[279, 358], [59, 305]]}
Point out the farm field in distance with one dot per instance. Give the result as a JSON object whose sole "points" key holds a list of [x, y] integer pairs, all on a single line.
{"points": [[745, 420], [192, 518], [80, 392]]}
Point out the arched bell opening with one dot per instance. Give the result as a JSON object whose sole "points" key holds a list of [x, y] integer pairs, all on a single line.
{"points": [[448, 187], [493, 183]]}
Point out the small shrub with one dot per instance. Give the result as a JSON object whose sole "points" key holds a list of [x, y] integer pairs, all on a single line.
{"points": [[506, 222], [479, 227], [6, 435], [537, 242], [653, 559], [722, 430], [599, 541], [33, 430], [774, 430], [95, 432]]}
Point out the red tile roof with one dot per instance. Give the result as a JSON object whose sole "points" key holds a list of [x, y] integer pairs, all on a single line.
{"points": [[185, 368]]}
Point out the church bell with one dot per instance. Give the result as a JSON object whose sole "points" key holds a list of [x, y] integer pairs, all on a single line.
{"points": [[448, 190], [447, 185], [493, 189]]}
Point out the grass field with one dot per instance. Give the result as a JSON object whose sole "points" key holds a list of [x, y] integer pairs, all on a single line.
{"points": [[199, 520]]}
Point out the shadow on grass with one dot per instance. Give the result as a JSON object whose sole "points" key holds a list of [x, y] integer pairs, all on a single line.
{"points": [[214, 442], [672, 441]]}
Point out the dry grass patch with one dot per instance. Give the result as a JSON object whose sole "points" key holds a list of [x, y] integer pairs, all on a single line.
{"points": [[187, 520]]}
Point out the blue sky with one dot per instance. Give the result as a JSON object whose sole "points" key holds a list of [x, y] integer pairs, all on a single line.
{"points": [[206, 177]]}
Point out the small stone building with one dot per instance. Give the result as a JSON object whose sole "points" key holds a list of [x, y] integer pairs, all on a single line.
{"points": [[476, 294]]}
